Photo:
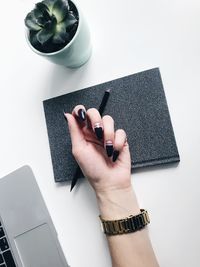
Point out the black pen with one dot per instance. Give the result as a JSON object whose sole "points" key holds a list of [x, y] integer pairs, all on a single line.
{"points": [[101, 110]]}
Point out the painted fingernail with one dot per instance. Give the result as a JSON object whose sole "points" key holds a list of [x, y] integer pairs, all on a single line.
{"points": [[65, 116], [98, 130], [115, 155], [82, 114], [109, 148]]}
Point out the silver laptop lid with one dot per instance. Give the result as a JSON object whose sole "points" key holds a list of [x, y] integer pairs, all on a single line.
{"points": [[26, 222]]}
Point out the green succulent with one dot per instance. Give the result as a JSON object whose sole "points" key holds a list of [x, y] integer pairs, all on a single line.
{"points": [[52, 24]]}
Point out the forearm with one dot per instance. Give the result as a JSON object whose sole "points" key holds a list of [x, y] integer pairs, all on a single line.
{"points": [[126, 250]]}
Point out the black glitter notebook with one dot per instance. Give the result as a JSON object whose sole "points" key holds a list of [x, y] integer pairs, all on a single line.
{"points": [[137, 104]]}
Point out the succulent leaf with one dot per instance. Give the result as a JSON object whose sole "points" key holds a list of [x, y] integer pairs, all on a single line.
{"points": [[70, 20], [60, 36], [61, 39], [31, 22], [49, 4], [34, 40], [60, 9], [44, 35], [44, 10], [37, 13], [42, 7], [52, 24], [41, 21]]}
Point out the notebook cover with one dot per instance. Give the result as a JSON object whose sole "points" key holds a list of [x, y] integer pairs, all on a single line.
{"points": [[137, 104]]}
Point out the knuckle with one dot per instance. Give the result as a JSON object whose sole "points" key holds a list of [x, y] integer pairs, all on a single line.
{"points": [[75, 151]]}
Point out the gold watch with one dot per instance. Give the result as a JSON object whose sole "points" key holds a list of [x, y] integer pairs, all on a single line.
{"points": [[127, 225]]}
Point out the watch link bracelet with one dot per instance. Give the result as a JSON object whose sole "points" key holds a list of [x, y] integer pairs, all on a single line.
{"points": [[127, 225]]}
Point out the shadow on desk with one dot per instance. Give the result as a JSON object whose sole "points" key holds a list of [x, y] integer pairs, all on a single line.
{"points": [[155, 168]]}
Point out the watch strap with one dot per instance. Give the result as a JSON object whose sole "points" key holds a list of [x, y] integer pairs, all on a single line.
{"points": [[127, 225]]}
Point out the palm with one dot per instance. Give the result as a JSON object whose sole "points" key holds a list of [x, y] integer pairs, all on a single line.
{"points": [[95, 163]]}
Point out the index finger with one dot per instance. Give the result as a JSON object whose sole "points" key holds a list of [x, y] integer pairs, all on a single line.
{"points": [[77, 136]]}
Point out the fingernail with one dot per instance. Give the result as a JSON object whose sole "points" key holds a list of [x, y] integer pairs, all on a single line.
{"points": [[64, 114], [109, 148], [115, 155], [98, 130], [82, 114]]}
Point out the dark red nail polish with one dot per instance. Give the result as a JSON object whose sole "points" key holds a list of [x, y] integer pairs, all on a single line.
{"points": [[82, 114], [65, 116], [109, 148], [98, 130], [115, 155]]}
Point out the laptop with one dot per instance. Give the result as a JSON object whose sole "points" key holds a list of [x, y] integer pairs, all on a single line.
{"points": [[27, 235]]}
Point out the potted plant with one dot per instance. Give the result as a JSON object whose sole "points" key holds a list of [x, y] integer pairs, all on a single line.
{"points": [[57, 30]]}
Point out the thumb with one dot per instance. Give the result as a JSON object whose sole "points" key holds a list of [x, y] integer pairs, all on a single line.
{"points": [[77, 136]]}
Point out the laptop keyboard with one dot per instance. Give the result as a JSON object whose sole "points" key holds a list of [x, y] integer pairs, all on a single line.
{"points": [[6, 258]]}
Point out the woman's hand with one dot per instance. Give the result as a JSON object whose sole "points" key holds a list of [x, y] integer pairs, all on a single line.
{"points": [[101, 152], [104, 157]]}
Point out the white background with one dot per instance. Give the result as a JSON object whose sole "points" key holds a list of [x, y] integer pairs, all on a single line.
{"points": [[128, 36]]}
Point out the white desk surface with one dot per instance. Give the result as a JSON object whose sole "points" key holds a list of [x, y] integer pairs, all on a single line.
{"points": [[128, 37]]}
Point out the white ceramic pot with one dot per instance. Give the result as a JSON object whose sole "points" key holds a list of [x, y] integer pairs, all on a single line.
{"points": [[76, 52]]}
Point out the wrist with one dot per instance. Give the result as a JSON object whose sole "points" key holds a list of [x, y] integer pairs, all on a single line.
{"points": [[117, 203]]}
